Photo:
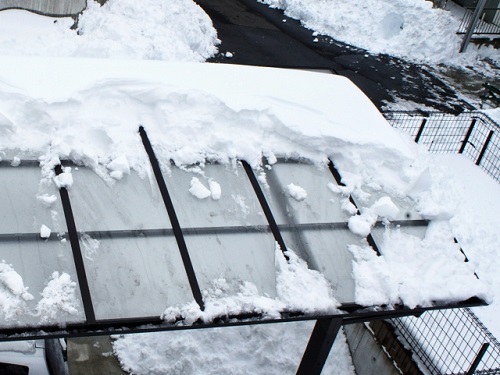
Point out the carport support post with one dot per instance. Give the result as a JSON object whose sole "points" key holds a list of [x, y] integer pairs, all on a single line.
{"points": [[319, 345], [472, 25]]}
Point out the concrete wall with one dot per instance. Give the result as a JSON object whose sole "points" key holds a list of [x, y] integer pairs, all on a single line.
{"points": [[47, 7], [367, 355]]}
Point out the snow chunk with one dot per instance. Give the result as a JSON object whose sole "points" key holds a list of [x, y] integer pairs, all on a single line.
{"points": [[13, 281], [199, 190], [119, 167], [385, 208], [15, 162], [215, 189], [65, 179], [229, 55], [296, 192], [359, 225], [58, 298], [45, 231], [46, 199]]}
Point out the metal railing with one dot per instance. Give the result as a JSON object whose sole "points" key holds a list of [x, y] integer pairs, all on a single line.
{"points": [[472, 133], [489, 22], [450, 342]]}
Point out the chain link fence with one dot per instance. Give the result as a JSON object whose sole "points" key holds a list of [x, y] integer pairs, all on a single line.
{"points": [[472, 133]]}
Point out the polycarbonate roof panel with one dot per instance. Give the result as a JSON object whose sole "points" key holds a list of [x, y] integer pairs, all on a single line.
{"points": [[326, 250], [132, 203], [236, 258], [284, 182], [134, 276], [127, 256], [27, 201], [35, 261], [222, 196], [224, 227]]}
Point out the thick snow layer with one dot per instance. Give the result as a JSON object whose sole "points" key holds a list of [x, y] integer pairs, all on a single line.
{"points": [[411, 29], [475, 201], [118, 29]]}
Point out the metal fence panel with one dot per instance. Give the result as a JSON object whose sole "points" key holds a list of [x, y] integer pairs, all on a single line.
{"points": [[472, 133], [448, 341]]}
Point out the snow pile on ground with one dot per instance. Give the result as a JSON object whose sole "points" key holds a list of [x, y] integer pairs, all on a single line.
{"points": [[410, 29], [118, 29], [263, 349]]}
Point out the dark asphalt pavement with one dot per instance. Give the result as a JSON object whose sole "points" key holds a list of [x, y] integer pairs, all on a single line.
{"points": [[258, 35]]}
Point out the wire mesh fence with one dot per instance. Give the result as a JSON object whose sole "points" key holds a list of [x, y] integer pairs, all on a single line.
{"points": [[472, 133], [450, 342], [489, 22]]}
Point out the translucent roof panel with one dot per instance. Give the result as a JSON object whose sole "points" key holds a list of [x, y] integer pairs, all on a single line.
{"points": [[301, 193], [134, 276], [225, 230], [47, 270], [236, 258], [326, 250], [221, 196], [132, 203], [27, 201]]}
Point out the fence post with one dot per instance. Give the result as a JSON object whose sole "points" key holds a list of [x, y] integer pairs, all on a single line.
{"points": [[421, 130], [485, 146], [472, 25], [467, 136], [478, 358]]}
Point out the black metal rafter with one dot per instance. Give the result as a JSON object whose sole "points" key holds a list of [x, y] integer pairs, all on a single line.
{"points": [[77, 252], [157, 324], [179, 236], [265, 207], [338, 179]]}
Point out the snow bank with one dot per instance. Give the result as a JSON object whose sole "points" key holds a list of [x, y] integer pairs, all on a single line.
{"points": [[411, 29], [177, 31]]}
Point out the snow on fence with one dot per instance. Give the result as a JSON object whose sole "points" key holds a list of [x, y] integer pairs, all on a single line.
{"points": [[450, 342], [471, 133]]}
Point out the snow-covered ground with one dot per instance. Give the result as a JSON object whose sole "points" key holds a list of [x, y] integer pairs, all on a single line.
{"points": [[411, 29], [105, 101]]}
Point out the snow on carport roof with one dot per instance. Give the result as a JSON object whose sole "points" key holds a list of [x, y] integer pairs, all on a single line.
{"points": [[204, 119]]}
